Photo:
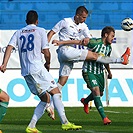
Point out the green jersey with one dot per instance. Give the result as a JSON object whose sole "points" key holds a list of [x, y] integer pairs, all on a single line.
{"points": [[96, 45]]}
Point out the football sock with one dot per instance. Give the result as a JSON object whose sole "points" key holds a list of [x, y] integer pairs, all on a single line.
{"points": [[38, 112], [99, 106], [60, 108], [51, 101], [89, 98], [3, 109], [107, 60]]}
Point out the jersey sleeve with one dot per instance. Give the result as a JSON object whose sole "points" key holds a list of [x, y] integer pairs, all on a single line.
{"points": [[92, 43], [87, 31], [59, 26], [13, 41], [44, 42]]}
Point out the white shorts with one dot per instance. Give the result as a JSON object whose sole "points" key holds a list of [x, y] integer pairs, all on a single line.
{"points": [[67, 55], [40, 82]]}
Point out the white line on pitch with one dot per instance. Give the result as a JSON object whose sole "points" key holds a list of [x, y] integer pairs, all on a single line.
{"points": [[115, 112]]}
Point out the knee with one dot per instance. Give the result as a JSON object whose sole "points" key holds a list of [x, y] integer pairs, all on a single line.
{"points": [[96, 91], [92, 56], [5, 97], [55, 91]]}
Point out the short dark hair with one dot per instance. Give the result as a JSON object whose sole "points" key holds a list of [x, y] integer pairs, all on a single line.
{"points": [[31, 17], [107, 30], [81, 9]]}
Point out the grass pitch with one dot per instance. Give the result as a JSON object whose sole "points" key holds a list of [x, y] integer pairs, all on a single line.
{"points": [[17, 119]]}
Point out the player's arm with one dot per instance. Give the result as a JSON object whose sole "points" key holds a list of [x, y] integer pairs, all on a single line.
{"points": [[47, 57], [6, 58], [50, 34], [57, 28], [108, 70], [83, 42]]}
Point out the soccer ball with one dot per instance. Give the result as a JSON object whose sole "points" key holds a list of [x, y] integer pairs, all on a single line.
{"points": [[127, 24]]}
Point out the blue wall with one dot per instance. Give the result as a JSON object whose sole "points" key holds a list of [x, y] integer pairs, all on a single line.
{"points": [[102, 12]]}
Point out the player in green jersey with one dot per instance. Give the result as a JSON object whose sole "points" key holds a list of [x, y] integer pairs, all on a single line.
{"points": [[4, 101], [93, 70], [93, 73]]}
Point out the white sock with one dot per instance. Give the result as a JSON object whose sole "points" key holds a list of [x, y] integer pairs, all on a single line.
{"points": [[60, 89], [107, 60], [60, 108], [51, 102], [38, 112]]}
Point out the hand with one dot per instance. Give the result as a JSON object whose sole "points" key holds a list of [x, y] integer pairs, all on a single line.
{"points": [[109, 75], [3, 68], [85, 41], [47, 66], [56, 42]]}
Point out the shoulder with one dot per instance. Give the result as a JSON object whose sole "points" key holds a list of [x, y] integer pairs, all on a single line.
{"points": [[96, 40], [64, 22], [68, 19], [41, 30]]}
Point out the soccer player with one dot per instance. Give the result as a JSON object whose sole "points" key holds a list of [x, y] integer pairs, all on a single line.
{"points": [[92, 71], [74, 28], [4, 101], [32, 42]]}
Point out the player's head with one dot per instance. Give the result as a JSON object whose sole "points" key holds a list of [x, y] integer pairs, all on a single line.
{"points": [[108, 34], [81, 14], [32, 17]]}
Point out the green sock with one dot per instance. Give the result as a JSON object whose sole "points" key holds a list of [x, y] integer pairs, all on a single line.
{"points": [[99, 106], [89, 98], [3, 109]]}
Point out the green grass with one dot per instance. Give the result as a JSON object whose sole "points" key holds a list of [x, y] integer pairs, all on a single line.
{"points": [[17, 119]]}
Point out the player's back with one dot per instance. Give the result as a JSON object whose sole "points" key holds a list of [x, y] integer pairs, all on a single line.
{"points": [[31, 40]]}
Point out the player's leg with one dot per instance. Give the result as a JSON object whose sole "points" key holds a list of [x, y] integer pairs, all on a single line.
{"points": [[65, 66], [64, 72], [97, 90], [99, 106], [86, 100], [66, 125], [66, 57], [38, 112], [4, 101], [32, 82], [104, 59]]}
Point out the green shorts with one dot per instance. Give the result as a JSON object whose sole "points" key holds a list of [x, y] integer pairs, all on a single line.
{"points": [[93, 80]]}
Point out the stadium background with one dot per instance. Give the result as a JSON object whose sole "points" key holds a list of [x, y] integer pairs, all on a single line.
{"points": [[101, 13]]}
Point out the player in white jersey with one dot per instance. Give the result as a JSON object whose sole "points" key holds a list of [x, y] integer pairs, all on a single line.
{"points": [[74, 28], [32, 43]]}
